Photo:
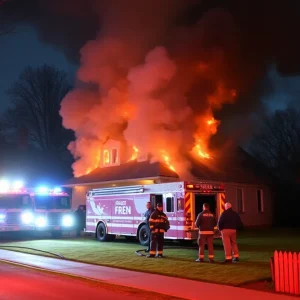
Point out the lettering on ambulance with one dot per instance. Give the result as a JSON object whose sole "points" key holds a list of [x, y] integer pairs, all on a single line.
{"points": [[122, 215], [121, 208]]}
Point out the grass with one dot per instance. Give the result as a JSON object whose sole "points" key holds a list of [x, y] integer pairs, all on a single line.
{"points": [[256, 248]]}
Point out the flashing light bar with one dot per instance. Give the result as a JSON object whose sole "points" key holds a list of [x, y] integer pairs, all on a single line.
{"points": [[11, 187], [205, 186], [43, 190]]}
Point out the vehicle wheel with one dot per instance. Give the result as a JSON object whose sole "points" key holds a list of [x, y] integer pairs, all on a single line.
{"points": [[56, 234], [101, 234], [144, 235]]}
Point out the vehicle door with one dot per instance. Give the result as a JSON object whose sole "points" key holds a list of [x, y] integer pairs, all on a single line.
{"points": [[169, 210]]}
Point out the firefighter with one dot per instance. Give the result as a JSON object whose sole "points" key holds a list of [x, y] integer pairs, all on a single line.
{"points": [[148, 213], [159, 224], [80, 214], [206, 221], [228, 223]]}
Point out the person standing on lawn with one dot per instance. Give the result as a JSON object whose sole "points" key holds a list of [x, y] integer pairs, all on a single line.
{"points": [[229, 222], [206, 222], [159, 224], [148, 213]]}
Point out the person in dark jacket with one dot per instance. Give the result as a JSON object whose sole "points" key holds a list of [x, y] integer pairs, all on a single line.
{"points": [[228, 224], [148, 213], [159, 224], [80, 214], [206, 222]]}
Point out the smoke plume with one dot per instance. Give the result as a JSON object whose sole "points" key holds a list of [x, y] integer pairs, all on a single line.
{"points": [[158, 94], [164, 75]]}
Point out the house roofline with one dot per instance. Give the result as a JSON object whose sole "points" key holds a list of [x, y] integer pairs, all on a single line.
{"points": [[117, 181]]}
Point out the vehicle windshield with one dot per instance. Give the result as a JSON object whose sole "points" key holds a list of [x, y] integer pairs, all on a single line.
{"points": [[15, 201], [52, 202]]}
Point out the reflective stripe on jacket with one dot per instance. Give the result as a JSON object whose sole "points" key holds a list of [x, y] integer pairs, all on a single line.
{"points": [[158, 222], [206, 222]]}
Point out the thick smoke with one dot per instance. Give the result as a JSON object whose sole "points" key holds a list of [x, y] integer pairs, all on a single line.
{"points": [[159, 97], [162, 69]]}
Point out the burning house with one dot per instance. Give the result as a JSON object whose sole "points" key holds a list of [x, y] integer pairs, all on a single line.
{"points": [[150, 94], [246, 182]]}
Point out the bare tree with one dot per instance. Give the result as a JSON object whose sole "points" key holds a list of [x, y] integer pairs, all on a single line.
{"points": [[36, 98], [278, 143]]}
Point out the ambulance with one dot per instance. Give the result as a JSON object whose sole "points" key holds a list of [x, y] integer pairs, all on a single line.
{"points": [[119, 211], [16, 208], [52, 210]]}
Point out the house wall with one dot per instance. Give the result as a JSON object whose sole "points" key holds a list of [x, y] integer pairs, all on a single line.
{"points": [[250, 216]]}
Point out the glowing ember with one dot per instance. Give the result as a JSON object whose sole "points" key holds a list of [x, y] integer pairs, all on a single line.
{"points": [[211, 121]]}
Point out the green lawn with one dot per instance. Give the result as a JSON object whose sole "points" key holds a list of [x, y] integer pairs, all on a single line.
{"points": [[256, 248]]}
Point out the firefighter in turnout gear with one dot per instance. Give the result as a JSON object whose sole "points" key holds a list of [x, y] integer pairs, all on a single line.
{"points": [[206, 221], [148, 213], [159, 224]]}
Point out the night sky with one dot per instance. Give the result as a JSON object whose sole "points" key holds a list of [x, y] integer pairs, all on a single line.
{"points": [[264, 31], [23, 49]]}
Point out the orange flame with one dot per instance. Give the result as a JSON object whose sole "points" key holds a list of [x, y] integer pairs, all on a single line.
{"points": [[166, 159], [134, 154], [200, 151], [97, 164]]}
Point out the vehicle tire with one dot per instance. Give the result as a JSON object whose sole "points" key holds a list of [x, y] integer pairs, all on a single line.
{"points": [[56, 234], [144, 235], [101, 234]]}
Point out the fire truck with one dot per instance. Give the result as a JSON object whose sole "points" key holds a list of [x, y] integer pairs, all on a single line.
{"points": [[16, 208], [52, 210], [120, 210]]}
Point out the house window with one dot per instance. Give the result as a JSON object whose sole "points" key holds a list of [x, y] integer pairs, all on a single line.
{"points": [[114, 156], [260, 200], [106, 158], [110, 157], [170, 204], [240, 200]]}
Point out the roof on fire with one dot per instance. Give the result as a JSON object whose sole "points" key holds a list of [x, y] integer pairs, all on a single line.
{"points": [[240, 168], [127, 171]]}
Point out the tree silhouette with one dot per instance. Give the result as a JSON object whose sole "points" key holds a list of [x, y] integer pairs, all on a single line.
{"points": [[278, 143], [34, 114]]}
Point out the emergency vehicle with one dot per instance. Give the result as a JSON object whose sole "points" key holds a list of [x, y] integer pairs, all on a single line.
{"points": [[52, 210], [120, 210], [16, 208]]}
